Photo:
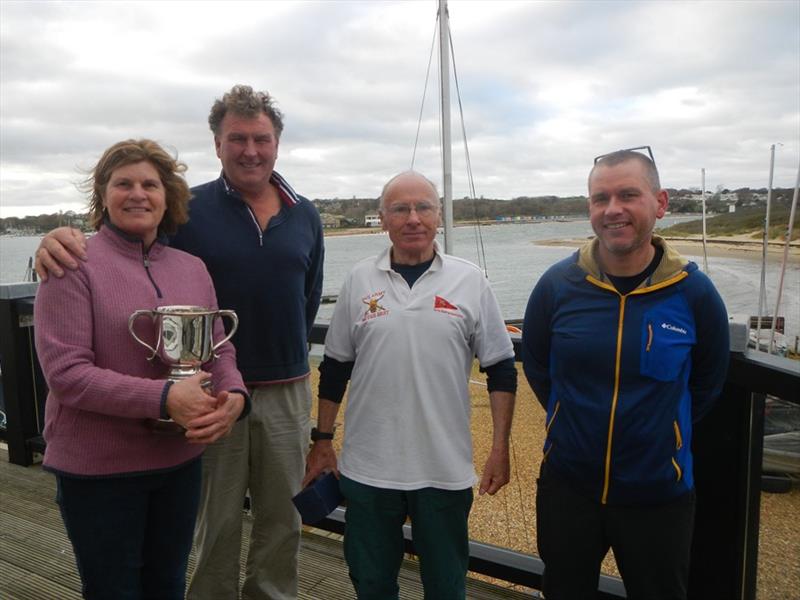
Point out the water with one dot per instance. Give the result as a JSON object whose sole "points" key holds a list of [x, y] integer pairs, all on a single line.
{"points": [[14, 254], [515, 263]]}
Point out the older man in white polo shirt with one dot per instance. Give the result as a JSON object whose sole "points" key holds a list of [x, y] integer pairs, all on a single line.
{"points": [[406, 328]]}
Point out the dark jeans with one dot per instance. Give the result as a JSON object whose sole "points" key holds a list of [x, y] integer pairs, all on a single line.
{"points": [[132, 535], [373, 539], [651, 544]]}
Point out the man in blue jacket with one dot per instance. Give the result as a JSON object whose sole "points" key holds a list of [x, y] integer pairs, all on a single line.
{"points": [[625, 344], [262, 244]]}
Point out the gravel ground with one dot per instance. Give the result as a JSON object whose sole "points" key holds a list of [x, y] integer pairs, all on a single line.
{"points": [[508, 518]]}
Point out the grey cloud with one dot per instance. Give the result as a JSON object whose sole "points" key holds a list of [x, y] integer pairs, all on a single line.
{"points": [[546, 86]]}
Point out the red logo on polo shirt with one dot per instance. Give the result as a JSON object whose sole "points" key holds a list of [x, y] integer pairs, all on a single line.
{"points": [[445, 306], [439, 302]]}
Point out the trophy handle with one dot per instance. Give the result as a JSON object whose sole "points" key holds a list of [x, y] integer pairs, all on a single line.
{"points": [[131, 321], [235, 325]]}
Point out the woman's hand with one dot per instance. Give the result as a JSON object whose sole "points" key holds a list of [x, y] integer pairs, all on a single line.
{"points": [[187, 400], [208, 428]]}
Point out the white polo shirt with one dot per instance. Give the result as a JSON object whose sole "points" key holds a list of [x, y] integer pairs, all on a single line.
{"points": [[407, 422]]}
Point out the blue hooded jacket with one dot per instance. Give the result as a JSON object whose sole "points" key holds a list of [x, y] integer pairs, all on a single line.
{"points": [[623, 377]]}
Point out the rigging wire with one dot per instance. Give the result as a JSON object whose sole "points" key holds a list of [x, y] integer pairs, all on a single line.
{"points": [[479, 247], [482, 257], [424, 91], [527, 527]]}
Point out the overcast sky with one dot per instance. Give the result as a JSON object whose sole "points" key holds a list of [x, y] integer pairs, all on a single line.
{"points": [[546, 86]]}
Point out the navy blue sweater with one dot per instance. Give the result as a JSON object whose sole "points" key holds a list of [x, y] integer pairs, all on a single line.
{"points": [[271, 278]]}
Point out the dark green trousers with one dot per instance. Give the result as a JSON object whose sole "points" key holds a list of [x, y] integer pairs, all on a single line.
{"points": [[373, 539]]}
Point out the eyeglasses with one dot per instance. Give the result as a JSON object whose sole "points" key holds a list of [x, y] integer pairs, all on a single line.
{"points": [[636, 149], [403, 211]]}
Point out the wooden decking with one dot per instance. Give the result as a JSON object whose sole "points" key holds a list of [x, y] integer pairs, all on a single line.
{"points": [[36, 561]]}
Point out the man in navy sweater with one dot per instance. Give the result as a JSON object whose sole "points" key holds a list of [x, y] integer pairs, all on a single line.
{"points": [[262, 244]]}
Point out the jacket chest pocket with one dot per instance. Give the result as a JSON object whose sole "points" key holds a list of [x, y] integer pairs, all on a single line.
{"points": [[667, 341]]}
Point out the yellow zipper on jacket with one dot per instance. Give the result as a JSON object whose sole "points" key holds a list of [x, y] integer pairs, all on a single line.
{"points": [[678, 436], [678, 446], [618, 362], [547, 427], [678, 471], [553, 418]]}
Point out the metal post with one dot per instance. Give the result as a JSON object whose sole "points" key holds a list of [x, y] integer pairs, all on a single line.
{"points": [[447, 167], [762, 292], [785, 259], [705, 251]]}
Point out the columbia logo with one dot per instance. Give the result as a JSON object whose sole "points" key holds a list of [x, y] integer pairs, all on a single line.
{"points": [[673, 328]]}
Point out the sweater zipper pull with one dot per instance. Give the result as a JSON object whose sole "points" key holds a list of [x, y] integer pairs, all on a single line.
{"points": [[146, 262]]}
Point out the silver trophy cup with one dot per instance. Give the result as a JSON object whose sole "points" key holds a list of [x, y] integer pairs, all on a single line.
{"points": [[184, 337]]}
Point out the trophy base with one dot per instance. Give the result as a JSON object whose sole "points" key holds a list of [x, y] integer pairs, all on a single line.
{"points": [[165, 426]]}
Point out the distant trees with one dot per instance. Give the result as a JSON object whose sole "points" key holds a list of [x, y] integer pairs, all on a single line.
{"points": [[351, 211], [524, 206], [678, 204], [41, 223]]}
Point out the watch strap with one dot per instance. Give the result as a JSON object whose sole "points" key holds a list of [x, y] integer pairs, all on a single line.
{"points": [[317, 435]]}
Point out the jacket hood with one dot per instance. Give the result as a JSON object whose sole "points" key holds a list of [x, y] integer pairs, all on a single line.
{"points": [[671, 263]]}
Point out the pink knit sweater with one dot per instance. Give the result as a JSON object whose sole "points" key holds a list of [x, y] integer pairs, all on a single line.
{"points": [[103, 391]]}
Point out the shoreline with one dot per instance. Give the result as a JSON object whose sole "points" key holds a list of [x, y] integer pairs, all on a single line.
{"points": [[736, 246], [335, 232]]}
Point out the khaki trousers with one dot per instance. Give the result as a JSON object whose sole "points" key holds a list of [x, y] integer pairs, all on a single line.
{"points": [[265, 454]]}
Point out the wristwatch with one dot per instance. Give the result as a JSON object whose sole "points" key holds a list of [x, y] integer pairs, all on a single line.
{"points": [[317, 435]]}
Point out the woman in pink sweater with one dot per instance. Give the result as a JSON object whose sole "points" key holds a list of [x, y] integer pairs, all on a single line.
{"points": [[128, 494]]}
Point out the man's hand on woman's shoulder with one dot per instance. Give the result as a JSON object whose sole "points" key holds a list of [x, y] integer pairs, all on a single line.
{"points": [[58, 250]]}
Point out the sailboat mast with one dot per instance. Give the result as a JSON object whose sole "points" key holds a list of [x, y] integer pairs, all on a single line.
{"points": [[786, 244], [762, 292], [444, 86], [705, 251]]}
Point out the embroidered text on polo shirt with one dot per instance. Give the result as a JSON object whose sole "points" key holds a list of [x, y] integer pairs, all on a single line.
{"points": [[374, 309]]}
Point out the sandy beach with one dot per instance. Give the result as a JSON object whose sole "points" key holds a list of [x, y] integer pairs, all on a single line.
{"points": [[742, 246], [334, 232]]}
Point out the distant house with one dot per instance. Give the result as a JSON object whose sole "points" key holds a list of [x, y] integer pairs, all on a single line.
{"points": [[372, 221], [330, 221]]}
